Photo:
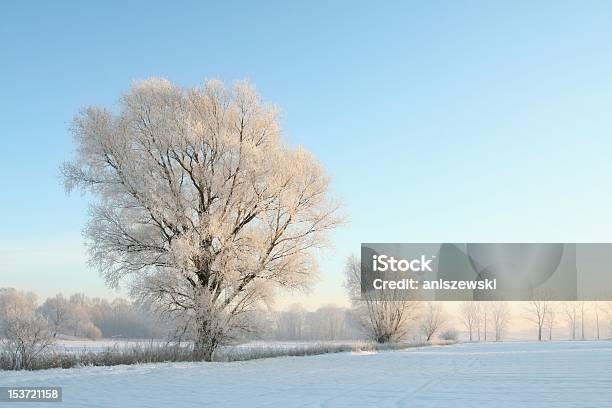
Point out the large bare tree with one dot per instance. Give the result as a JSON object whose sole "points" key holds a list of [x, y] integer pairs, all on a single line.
{"points": [[199, 205]]}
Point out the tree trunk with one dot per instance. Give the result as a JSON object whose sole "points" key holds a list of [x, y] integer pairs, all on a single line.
{"points": [[485, 327], [204, 348], [539, 333], [550, 332], [206, 341]]}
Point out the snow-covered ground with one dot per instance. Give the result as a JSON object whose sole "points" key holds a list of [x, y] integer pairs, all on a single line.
{"points": [[558, 374]]}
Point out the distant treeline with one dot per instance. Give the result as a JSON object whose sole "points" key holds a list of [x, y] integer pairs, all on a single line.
{"points": [[80, 316], [84, 317]]}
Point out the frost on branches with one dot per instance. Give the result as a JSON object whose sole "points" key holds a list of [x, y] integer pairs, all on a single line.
{"points": [[200, 205], [385, 316]]}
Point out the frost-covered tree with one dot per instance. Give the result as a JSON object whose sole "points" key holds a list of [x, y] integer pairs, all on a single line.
{"points": [[199, 205], [24, 334], [550, 319], [583, 309], [469, 314], [386, 315], [329, 323], [122, 318], [607, 315], [14, 303], [500, 317], [482, 319], [57, 311], [537, 311], [290, 323], [433, 320], [70, 316], [597, 309], [571, 309]]}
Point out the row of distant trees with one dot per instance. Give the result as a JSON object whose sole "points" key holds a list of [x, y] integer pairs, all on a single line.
{"points": [[479, 318], [28, 328], [387, 316], [547, 315], [330, 322], [479, 321], [80, 316]]}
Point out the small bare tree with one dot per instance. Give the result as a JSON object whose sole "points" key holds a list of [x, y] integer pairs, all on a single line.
{"points": [[482, 319], [385, 316], [433, 320], [25, 337], [582, 305], [571, 309], [469, 317], [328, 323], [537, 311], [24, 334], [607, 310], [550, 320], [290, 322], [597, 309], [57, 311], [500, 316]]}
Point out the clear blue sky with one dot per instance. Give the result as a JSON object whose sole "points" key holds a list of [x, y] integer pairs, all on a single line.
{"points": [[439, 121]]}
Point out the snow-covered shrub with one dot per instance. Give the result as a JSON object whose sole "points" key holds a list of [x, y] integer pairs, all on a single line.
{"points": [[136, 354], [242, 353], [24, 334], [450, 334]]}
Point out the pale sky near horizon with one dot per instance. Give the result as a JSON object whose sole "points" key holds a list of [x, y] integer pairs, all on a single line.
{"points": [[438, 121]]}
